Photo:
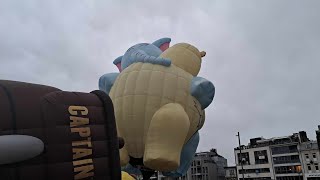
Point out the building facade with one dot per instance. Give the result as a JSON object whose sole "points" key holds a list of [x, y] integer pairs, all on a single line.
{"points": [[275, 158], [285, 156], [254, 163], [231, 173], [205, 166], [309, 155], [221, 163], [202, 168]]}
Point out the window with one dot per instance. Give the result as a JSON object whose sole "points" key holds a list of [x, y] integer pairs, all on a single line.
{"points": [[298, 169], [309, 167], [287, 169], [198, 170], [289, 178], [307, 156], [316, 166], [314, 155], [261, 157], [244, 157], [293, 149], [286, 159], [231, 172], [208, 161], [284, 149], [308, 146], [251, 171]]}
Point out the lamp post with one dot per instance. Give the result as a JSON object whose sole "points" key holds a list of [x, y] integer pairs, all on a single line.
{"points": [[240, 156]]}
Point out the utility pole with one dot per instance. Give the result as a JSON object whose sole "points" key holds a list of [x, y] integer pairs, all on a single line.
{"points": [[240, 156]]}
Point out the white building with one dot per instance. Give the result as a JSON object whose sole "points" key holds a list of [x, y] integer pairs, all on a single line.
{"points": [[285, 156], [256, 162], [309, 154], [275, 158]]}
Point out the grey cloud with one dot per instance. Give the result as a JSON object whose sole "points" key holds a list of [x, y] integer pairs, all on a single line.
{"points": [[261, 55]]}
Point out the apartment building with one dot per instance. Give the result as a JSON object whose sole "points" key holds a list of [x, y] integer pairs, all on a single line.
{"points": [[221, 163], [285, 156], [207, 166], [275, 158], [202, 168], [254, 162], [310, 159]]}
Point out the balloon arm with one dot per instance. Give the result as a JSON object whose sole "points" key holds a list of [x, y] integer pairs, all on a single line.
{"points": [[162, 43], [141, 56], [117, 60], [17, 148], [203, 90], [106, 82]]}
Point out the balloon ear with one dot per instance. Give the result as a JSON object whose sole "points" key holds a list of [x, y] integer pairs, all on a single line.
{"points": [[117, 62], [162, 43]]}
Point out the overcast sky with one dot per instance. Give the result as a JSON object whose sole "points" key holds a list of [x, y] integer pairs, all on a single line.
{"points": [[263, 56]]}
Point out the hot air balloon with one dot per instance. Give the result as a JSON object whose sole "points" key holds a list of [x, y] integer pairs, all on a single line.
{"points": [[126, 176], [47, 133], [159, 103]]}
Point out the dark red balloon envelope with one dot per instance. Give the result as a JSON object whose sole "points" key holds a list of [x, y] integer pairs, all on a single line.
{"points": [[77, 129]]}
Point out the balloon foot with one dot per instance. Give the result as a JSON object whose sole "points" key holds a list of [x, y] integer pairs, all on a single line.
{"points": [[138, 163]]}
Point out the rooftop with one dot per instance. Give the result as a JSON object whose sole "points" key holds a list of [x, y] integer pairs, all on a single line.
{"points": [[211, 153], [282, 140], [311, 145]]}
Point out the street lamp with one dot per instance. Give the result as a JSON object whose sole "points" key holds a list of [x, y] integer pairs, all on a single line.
{"points": [[241, 162]]}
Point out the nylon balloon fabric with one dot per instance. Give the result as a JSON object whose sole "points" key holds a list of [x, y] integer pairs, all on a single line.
{"points": [[77, 129], [160, 104]]}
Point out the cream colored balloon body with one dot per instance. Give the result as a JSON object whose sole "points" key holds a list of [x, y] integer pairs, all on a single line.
{"points": [[154, 109]]}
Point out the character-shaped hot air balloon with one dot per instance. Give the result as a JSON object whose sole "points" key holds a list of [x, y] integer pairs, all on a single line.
{"points": [[47, 133], [159, 104]]}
